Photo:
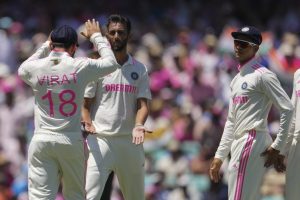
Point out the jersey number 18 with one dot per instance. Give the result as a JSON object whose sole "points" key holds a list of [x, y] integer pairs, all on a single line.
{"points": [[63, 102]]}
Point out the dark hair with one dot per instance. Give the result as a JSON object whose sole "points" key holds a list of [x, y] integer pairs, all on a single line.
{"points": [[115, 18], [64, 36]]}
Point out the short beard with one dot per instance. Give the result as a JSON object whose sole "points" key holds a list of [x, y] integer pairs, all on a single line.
{"points": [[119, 48], [123, 45]]}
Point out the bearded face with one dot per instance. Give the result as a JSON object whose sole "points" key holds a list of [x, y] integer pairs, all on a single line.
{"points": [[117, 36]]}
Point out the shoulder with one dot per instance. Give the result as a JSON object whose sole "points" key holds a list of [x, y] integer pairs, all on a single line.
{"points": [[262, 72], [139, 65], [260, 69], [79, 59], [80, 62]]}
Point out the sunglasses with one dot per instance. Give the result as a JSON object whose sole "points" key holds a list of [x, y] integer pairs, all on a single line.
{"points": [[243, 43]]}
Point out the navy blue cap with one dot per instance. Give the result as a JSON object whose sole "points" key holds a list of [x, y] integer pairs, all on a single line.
{"points": [[64, 35], [252, 34]]}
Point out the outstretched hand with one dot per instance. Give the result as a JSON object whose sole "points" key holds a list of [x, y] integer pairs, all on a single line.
{"points": [[138, 134], [91, 27]]}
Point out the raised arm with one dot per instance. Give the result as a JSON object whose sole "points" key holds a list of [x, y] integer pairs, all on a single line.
{"points": [[41, 52], [107, 62]]}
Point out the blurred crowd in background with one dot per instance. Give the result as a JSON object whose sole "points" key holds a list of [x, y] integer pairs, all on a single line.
{"points": [[188, 49]]}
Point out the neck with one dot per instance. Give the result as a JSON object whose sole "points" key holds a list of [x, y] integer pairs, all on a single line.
{"points": [[121, 56], [245, 61], [59, 49]]}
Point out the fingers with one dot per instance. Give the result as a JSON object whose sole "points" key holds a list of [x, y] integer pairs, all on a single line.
{"points": [[269, 159], [268, 163], [91, 27], [138, 140], [88, 128], [280, 165], [214, 174], [214, 171], [272, 157], [138, 135], [280, 168]]}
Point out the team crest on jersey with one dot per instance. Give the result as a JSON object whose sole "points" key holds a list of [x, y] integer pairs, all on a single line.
{"points": [[134, 76], [244, 86]]}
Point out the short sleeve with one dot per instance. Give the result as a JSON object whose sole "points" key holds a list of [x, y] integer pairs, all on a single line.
{"points": [[144, 88], [90, 90]]}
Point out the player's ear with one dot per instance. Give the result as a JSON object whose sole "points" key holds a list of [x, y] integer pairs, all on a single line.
{"points": [[72, 49], [51, 45]]}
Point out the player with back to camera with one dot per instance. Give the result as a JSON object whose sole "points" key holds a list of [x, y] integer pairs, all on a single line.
{"points": [[253, 91], [57, 151], [115, 110]]}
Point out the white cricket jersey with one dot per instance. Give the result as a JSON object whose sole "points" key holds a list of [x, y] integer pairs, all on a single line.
{"points": [[58, 82], [253, 91], [294, 132], [114, 109]]}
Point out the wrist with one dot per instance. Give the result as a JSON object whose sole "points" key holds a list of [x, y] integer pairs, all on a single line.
{"points": [[94, 36], [138, 124]]}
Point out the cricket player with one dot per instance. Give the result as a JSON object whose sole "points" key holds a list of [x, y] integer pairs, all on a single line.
{"points": [[115, 109], [57, 151], [293, 148], [253, 91]]}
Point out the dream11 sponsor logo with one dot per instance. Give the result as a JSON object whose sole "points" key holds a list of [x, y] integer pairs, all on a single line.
{"points": [[121, 88], [240, 99]]}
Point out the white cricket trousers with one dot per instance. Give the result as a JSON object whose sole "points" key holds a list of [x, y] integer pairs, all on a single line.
{"points": [[55, 159], [292, 189], [118, 154], [246, 167]]}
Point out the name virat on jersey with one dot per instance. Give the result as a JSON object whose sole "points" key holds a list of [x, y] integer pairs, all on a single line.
{"points": [[58, 79]]}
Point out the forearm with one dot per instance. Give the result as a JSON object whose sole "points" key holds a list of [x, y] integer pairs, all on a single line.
{"points": [[293, 121], [141, 116], [85, 115], [142, 112], [24, 69], [226, 142], [285, 119], [85, 111], [272, 88], [41, 52]]}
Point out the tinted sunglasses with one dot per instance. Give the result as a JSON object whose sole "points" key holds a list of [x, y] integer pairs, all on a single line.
{"points": [[243, 43]]}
